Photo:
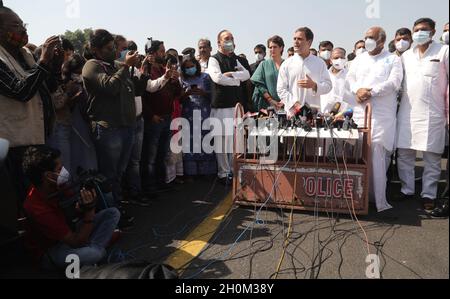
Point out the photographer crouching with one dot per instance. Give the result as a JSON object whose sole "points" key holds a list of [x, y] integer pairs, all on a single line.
{"points": [[50, 237]]}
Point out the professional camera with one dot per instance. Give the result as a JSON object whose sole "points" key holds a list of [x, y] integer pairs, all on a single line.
{"points": [[93, 180], [70, 196]]}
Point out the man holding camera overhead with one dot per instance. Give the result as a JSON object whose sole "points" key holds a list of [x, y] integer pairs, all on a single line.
{"points": [[111, 109]]}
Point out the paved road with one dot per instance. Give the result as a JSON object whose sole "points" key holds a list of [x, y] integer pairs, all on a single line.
{"points": [[411, 245]]}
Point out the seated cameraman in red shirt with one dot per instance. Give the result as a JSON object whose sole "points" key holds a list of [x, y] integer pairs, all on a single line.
{"points": [[49, 237]]}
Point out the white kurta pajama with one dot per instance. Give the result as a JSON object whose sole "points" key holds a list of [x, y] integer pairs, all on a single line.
{"points": [[382, 73], [422, 117], [295, 69], [337, 94], [224, 138]]}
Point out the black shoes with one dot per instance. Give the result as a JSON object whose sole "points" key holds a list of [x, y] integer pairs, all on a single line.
{"points": [[227, 181], [441, 211]]}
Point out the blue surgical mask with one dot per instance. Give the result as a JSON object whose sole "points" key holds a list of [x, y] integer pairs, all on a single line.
{"points": [[422, 37], [191, 71], [123, 55]]}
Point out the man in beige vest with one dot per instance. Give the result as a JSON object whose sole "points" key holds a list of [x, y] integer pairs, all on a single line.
{"points": [[25, 105]]}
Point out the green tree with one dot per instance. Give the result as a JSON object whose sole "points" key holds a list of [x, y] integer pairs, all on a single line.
{"points": [[78, 38]]}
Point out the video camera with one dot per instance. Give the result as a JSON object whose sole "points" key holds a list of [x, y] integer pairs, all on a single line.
{"points": [[70, 196], [93, 180]]}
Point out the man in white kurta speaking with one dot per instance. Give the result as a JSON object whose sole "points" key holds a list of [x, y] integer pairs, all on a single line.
{"points": [[303, 78], [375, 77], [422, 119]]}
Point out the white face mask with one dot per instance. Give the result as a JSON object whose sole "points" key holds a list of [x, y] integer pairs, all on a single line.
{"points": [[360, 51], [326, 55], [228, 46], [371, 44], [402, 45], [445, 38], [422, 37], [259, 57], [339, 64], [63, 177]]}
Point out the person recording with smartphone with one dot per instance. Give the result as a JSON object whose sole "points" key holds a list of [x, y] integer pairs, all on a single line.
{"points": [[112, 109], [163, 88], [26, 109]]}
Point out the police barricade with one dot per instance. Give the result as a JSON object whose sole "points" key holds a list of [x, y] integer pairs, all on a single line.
{"points": [[321, 169]]}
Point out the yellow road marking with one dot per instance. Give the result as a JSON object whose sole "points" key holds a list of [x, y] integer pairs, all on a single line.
{"points": [[198, 239]]}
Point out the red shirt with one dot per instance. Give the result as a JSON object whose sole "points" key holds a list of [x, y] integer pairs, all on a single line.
{"points": [[46, 223], [160, 103]]}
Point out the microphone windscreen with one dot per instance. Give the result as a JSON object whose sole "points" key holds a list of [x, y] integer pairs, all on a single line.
{"points": [[336, 108], [349, 113]]}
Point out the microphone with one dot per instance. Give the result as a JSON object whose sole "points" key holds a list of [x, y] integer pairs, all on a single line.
{"points": [[331, 116], [349, 123], [344, 114], [282, 118], [271, 111], [336, 109], [320, 117], [349, 113], [306, 111]]}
